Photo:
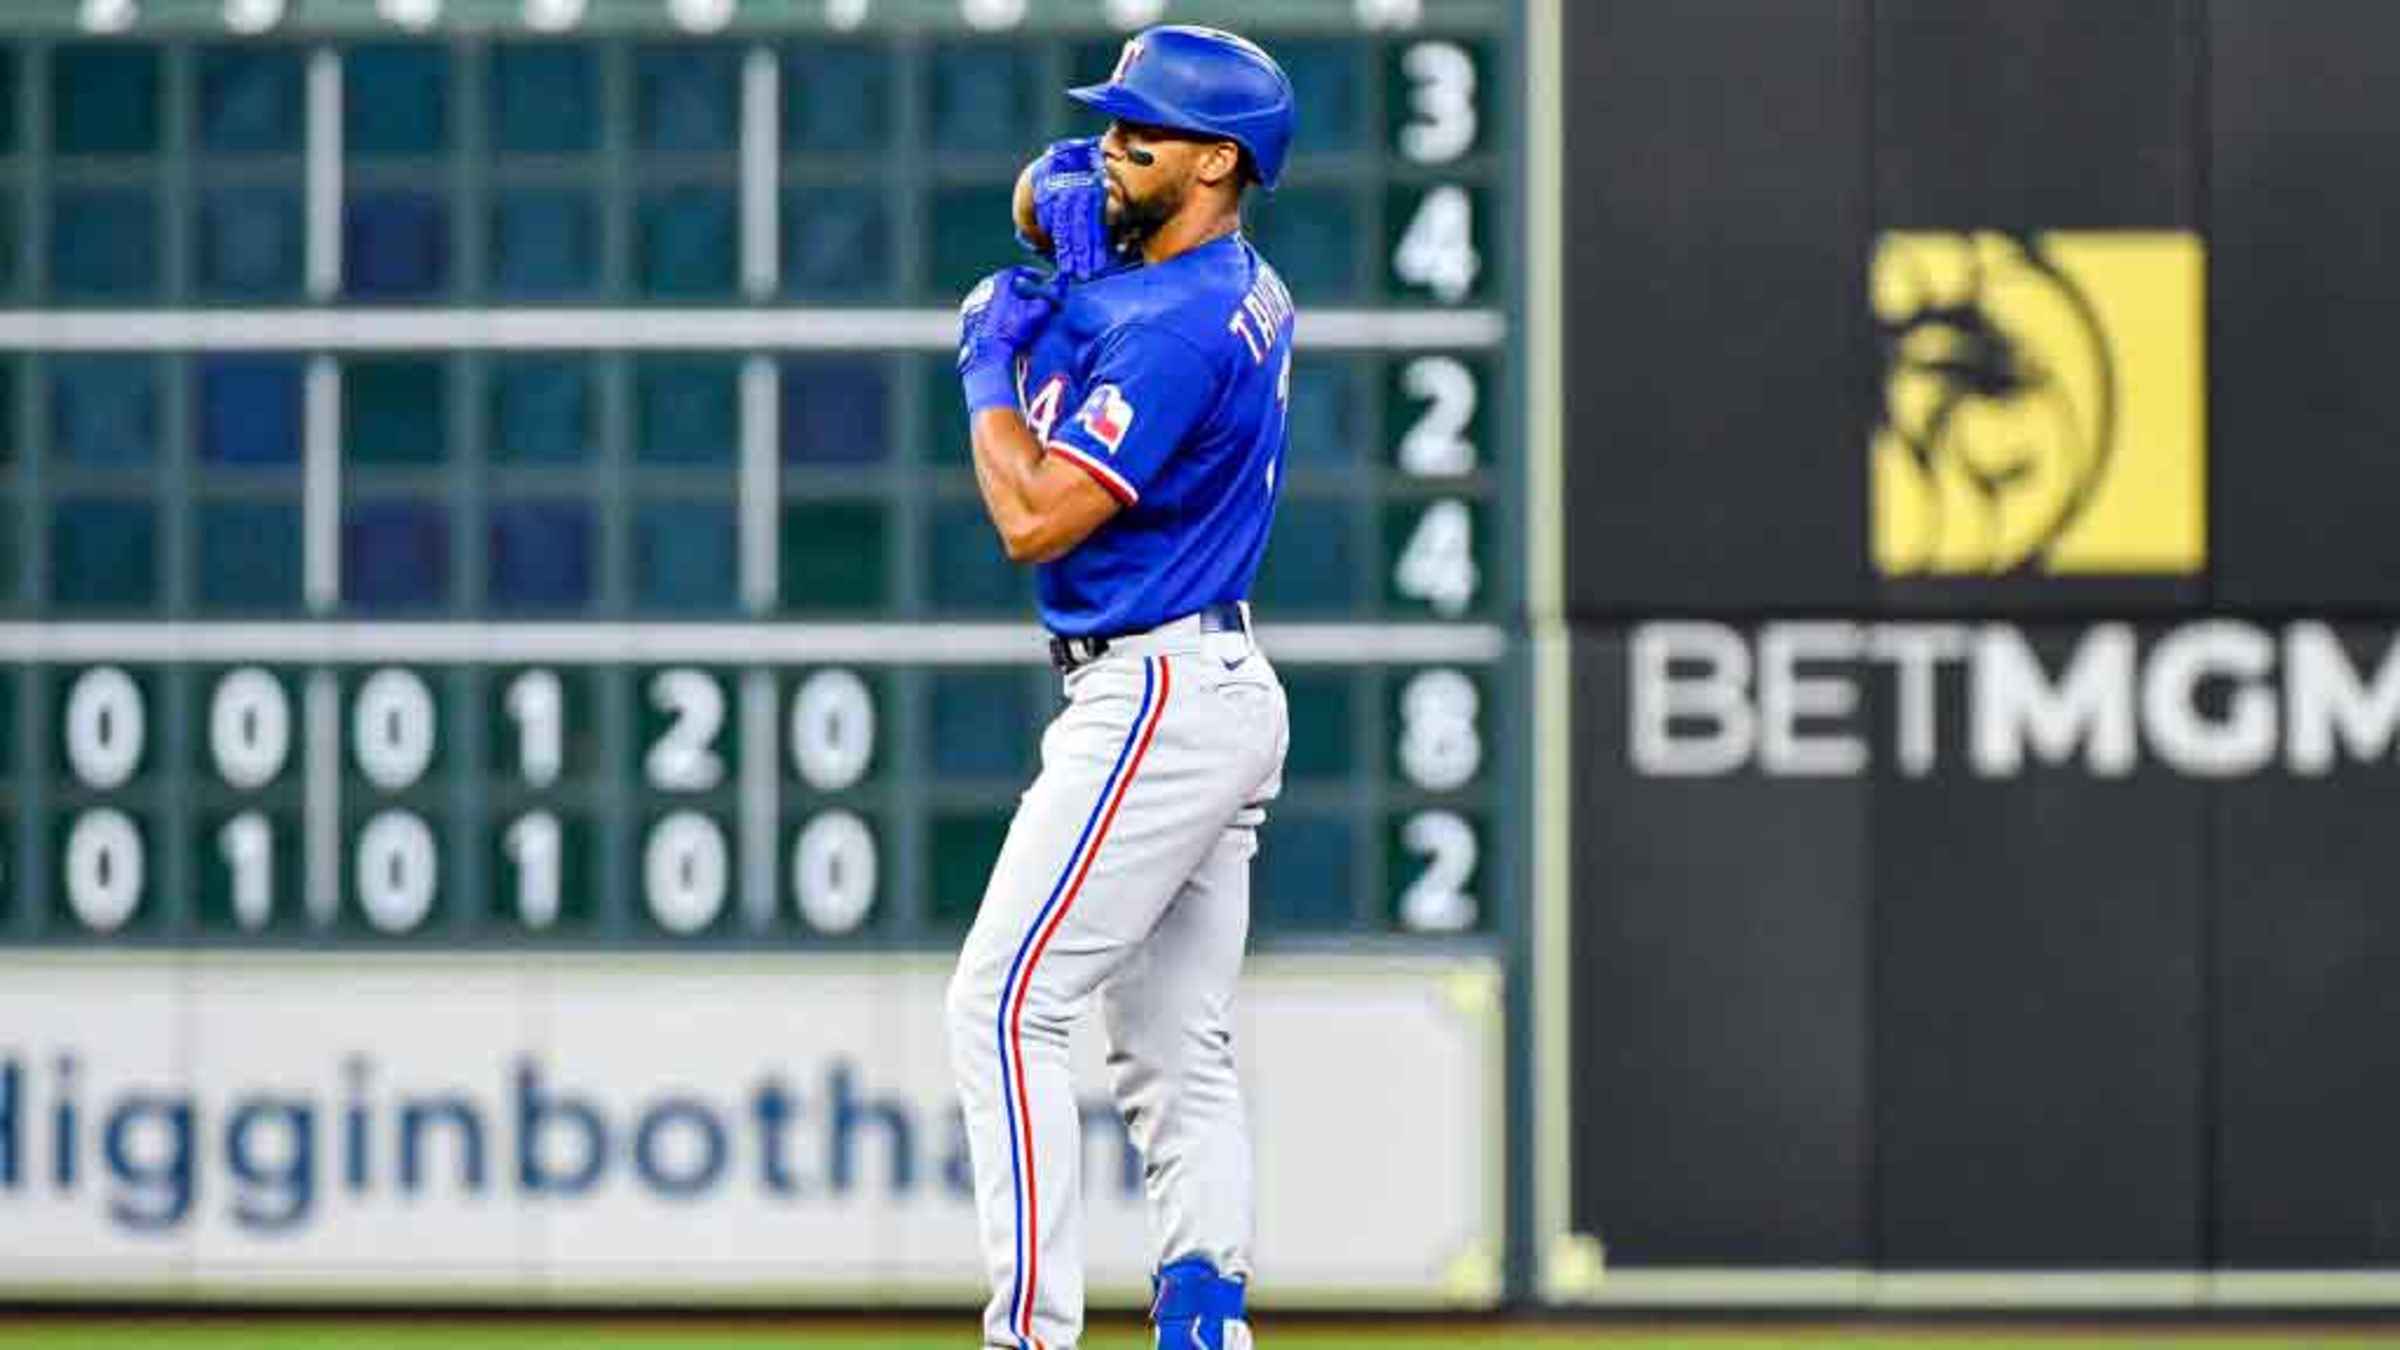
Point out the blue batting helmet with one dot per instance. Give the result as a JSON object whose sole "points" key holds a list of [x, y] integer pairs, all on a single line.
{"points": [[1205, 80]]}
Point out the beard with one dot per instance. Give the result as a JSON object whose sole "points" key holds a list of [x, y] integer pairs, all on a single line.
{"points": [[1132, 220]]}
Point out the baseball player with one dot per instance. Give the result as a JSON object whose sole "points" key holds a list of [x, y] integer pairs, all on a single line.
{"points": [[1127, 415]]}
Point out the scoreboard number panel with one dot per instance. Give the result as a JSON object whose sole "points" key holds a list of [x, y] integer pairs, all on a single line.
{"points": [[669, 619], [1435, 833], [542, 746], [686, 756], [534, 852], [396, 814], [535, 704], [1441, 395], [248, 842], [104, 831], [1441, 894], [833, 872]]}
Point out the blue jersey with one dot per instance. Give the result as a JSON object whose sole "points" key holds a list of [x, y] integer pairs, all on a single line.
{"points": [[1168, 384]]}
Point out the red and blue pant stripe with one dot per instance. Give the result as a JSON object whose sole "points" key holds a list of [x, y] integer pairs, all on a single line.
{"points": [[1155, 681]]}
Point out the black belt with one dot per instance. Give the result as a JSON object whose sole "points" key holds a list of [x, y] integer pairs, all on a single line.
{"points": [[1068, 653]]}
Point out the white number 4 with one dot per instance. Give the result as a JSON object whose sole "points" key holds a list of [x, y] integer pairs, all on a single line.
{"points": [[1438, 565], [1438, 250]]}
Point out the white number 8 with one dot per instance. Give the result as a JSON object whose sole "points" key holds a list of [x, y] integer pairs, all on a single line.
{"points": [[1440, 748]]}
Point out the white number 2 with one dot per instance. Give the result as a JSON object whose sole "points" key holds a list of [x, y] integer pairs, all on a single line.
{"points": [[683, 760], [1438, 901], [1436, 444]]}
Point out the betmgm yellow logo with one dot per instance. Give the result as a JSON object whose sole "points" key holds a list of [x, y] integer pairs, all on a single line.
{"points": [[2043, 400]]}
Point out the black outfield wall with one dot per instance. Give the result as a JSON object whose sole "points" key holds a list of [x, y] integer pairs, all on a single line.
{"points": [[2031, 917]]}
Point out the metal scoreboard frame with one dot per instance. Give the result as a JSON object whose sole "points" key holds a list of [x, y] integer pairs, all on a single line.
{"points": [[1566, 1265], [340, 766], [1407, 508]]}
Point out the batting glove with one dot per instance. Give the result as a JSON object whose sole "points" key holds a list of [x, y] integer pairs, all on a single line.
{"points": [[1070, 200], [996, 320]]}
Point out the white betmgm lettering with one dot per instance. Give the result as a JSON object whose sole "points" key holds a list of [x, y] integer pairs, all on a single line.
{"points": [[2244, 741], [1915, 652], [1785, 697], [2202, 700], [1718, 698], [2017, 708], [2326, 701]]}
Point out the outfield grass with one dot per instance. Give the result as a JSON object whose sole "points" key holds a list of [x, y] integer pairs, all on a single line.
{"points": [[217, 1333]]}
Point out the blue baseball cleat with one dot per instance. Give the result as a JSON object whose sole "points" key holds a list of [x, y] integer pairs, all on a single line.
{"points": [[1195, 1308]]}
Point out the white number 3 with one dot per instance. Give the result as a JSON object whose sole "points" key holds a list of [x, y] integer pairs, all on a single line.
{"points": [[1442, 95]]}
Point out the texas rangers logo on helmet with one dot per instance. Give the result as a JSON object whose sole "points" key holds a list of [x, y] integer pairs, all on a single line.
{"points": [[1126, 59], [1107, 416]]}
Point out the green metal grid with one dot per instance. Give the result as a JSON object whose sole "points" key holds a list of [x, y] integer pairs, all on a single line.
{"points": [[909, 499]]}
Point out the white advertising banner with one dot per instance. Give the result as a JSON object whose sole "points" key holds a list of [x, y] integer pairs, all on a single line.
{"points": [[632, 1127]]}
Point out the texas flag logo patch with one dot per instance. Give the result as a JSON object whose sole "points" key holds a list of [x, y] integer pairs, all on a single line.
{"points": [[1107, 416]]}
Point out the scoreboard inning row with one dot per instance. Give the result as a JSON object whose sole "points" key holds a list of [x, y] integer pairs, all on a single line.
{"points": [[417, 167], [631, 802], [563, 483]]}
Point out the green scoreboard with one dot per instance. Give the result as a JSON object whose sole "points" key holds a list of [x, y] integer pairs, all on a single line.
{"points": [[488, 472]]}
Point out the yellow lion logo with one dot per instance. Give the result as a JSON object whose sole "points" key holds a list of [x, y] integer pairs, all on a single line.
{"points": [[2013, 436]]}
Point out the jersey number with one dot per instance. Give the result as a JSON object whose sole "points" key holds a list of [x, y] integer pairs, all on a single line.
{"points": [[1042, 413]]}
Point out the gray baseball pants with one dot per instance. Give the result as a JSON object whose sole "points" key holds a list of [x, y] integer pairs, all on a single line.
{"points": [[1125, 874]]}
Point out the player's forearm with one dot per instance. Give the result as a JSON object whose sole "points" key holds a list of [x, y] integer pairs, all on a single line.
{"points": [[1008, 465]]}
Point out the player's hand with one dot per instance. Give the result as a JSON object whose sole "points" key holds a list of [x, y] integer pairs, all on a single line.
{"points": [[1070, 204], [996, 320]]}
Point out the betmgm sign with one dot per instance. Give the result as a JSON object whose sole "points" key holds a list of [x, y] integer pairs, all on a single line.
{"points": [[2213, 699]]}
